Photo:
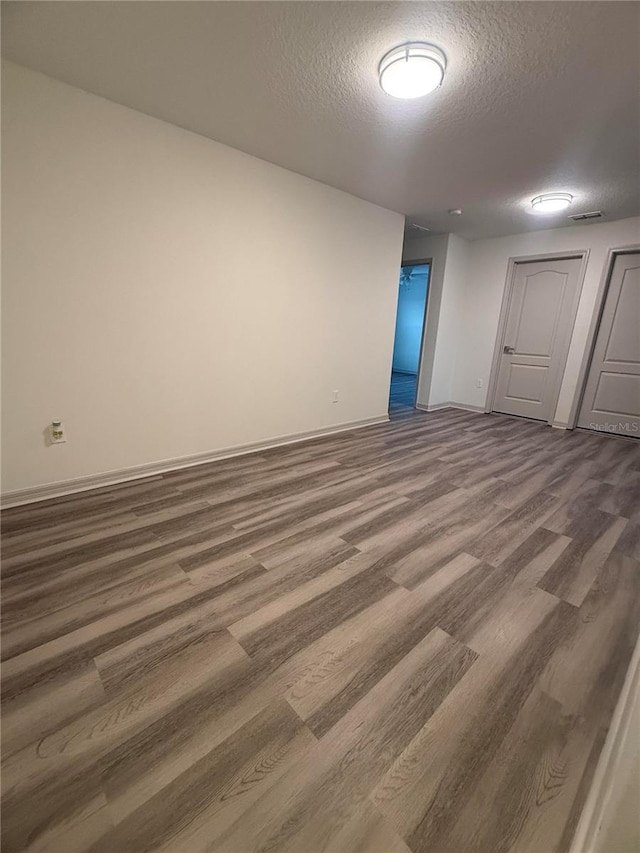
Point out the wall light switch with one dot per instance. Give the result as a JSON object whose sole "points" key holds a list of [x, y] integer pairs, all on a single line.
{"points": [[335, 396], [479, 383]]}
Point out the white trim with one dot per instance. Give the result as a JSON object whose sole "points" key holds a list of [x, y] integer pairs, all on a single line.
{"points": [[138, 472], [560, 425], [467, 407], [450, 405], [606, 779]]}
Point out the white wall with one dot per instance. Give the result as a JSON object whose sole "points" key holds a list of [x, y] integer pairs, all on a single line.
{"points": [[167, 296], [482, 299], [433, 249], [449, 329]]}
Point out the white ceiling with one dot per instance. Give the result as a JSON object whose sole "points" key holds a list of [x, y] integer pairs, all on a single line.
{"points": [[538, 96]]}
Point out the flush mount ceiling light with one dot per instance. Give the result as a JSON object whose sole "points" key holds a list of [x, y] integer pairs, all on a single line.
{"points": [[551, 202], [412, 70]]}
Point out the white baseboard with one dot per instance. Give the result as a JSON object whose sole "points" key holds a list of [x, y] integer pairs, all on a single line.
{"points": [[450, 405], [138, 472], [605, 795], [559, 425], [467, 407]]}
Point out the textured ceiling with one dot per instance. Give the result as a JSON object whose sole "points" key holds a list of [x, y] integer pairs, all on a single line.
{"points": [[538, 96]]}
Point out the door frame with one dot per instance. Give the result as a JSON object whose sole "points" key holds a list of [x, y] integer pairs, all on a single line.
{"points": [[583, 255], [594, 328], [419, 263]]}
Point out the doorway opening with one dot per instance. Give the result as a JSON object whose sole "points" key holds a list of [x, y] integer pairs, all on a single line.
{"points": [[407, 346]]}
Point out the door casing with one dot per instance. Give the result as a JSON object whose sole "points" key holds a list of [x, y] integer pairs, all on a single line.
{"points": [[594, 327], [583, 255]]}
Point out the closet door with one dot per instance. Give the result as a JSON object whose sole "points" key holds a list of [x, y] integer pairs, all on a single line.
{"points": [[542, 307], [611, 401]]}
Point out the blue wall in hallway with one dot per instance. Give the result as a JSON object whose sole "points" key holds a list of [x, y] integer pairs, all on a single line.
{"points": [[410, 318]]}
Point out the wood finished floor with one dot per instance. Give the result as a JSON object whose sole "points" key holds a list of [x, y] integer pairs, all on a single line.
{"points": [[409, 637]]}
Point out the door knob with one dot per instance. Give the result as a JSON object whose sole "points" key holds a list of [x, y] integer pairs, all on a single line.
{"points": [[508, 350]]}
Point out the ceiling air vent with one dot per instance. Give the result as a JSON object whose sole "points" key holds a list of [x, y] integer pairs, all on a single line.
{"points": [[595, 214]]}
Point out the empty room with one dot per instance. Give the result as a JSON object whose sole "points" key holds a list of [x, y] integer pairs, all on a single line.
{"points": [[320, 426]]}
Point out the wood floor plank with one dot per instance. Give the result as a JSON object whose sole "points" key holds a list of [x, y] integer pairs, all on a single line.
{"points": [[575, 571], [258, 622], [399, 639], [422, 798], [218, 789], [322, 792], [71, 651], [149, 697], [33, 714], [441, 544], [535, 776], [141, 765], [602, 643], [33, 628], [57, 817], [368, 832], [629, 541], [516, 527], [272, 644], [356, 664]]}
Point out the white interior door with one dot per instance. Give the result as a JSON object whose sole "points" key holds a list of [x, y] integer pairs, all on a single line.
{"points": [[540, 316], [611, 400]]}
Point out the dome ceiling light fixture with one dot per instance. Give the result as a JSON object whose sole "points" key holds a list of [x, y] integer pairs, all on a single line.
{"points": [[412, 70], [551, 202]]}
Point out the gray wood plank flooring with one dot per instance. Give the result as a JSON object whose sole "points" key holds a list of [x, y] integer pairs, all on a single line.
{"points": [[409, 637]]}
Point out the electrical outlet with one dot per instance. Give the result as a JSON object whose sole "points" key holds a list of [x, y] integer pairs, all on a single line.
{"points": [[335, 396], [479, 383], [57, 434]]}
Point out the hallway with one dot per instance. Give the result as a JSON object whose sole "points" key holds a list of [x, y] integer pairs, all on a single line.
{"points": [[402, 393]]}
